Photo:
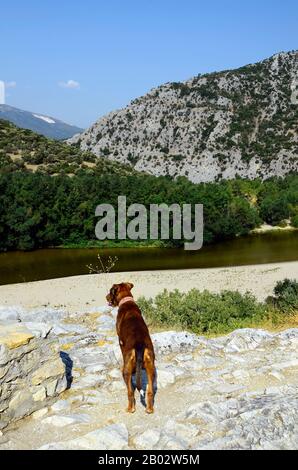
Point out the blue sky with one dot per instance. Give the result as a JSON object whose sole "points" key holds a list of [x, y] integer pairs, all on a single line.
{"points": [[117, 50]]}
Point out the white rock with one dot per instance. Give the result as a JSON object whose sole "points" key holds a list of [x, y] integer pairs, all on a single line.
{"points": [[277, 375], [167, 374], [228, 388], [112, 437], [148, 439], [96, 397], [60, 405], [224, 443], [165, 378], [115, 374], [65, 329], [183, 357], [114, 312], [106, 323], [40, 413], [90, 380], [117, 353], [40, 330], [206, 362], [43, 315], [94, 369], [240, 374], [246, 339], [116, 386], [84, 357], [10, 313], [66, 420], [286, 364], [170, 442], [105, 309], [173, 341], [186, 432]]}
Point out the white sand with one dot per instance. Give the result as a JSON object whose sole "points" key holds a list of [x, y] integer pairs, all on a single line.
{"points": [[77, 293]]}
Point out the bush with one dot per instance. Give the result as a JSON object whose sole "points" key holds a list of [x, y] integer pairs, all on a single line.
{"points": [[274, 211], [286, 296], [295, 221], [203, 312]]}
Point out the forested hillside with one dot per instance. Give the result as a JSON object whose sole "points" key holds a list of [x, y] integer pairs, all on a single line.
{"points": [[25, 151], [49, 191], [38, 210]]}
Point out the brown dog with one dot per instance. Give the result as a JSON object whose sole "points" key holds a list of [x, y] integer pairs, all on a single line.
{"points": [[135, 343]]}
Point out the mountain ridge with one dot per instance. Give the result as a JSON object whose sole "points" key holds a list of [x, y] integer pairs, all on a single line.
{"points": [[220, 125], [42, 124]]}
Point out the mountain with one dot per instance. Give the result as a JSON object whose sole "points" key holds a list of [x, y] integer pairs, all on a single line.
{"points": [[214, 126], [45, 125]]}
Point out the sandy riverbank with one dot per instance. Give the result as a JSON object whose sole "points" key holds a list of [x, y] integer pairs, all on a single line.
{"points": [[265, 228], [82, 292]]}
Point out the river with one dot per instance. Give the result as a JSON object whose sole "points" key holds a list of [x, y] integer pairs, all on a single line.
{"points": [[272, 247]]}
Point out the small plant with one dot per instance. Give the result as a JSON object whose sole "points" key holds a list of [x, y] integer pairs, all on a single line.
{"points": [[103, 267]]}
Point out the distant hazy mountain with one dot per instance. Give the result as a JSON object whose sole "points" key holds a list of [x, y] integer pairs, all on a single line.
{"points": [[40, 123], [214, 126]]}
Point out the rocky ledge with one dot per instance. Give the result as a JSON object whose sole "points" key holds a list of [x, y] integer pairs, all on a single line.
{"points": [[237, 391], [31, 370]]}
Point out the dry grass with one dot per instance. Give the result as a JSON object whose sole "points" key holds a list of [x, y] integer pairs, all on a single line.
{"points": [[281, 322]]}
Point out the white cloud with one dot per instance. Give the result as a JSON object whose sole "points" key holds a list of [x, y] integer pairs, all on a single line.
{"points": [[10, 84], [70, 84]]}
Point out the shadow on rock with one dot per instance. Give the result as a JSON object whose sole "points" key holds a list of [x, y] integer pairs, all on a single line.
{"points": [[68, 362], [144, 386]]}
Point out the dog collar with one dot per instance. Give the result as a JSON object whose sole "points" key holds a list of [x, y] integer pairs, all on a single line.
{"points": [[125, 299]]}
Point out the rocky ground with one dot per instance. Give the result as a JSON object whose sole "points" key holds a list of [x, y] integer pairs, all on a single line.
{"points": [[233, 392]]}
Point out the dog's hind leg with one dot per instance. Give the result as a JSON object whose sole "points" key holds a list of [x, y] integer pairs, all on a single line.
{"points": [[129, 365], [150, 370]]}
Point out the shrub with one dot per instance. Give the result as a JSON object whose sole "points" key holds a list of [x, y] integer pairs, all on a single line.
{"points": [[273, 211], [295, 221], [203, 312], [286, 296]]}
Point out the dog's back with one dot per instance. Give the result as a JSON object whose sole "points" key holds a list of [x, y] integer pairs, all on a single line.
{"points": [[131, 327]]}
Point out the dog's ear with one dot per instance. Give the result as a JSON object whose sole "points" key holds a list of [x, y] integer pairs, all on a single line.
{"points": [[130, 285], [114, 289]]}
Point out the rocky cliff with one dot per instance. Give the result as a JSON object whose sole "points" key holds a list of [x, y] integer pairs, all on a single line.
{"points": [[219, 125]]}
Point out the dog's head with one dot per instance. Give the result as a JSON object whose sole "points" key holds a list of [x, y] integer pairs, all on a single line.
{"points": [[118, 292]]}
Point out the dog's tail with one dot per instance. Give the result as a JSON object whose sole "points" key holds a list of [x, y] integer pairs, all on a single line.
{"points": [[139, 365]]}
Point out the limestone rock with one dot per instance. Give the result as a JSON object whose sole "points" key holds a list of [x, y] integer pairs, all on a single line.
{"points": [[246, 339], [106, 323], [14, 335], [147, 439], [40, 413], [66, 420], [114, 436], [40, 330], [42, 315], [10, 314], [173, 341], [31, 371]]}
